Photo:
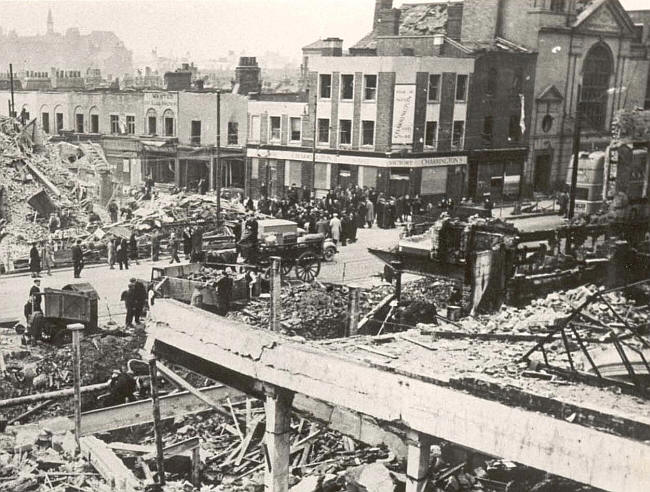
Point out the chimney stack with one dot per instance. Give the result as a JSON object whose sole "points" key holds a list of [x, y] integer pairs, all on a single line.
{"points": [[247, 76], [388, 22], [379, 6]]}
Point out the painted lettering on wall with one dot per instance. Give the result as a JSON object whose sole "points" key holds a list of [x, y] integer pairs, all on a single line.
{"points": [[403, 113]]}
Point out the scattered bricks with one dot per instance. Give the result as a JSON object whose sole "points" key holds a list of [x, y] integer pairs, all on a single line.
{"points": [[26, 437]]}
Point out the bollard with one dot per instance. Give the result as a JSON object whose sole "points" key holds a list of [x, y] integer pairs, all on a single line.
{"points": [[76, 330], [397, 268], [276, 293], [353, 326]]}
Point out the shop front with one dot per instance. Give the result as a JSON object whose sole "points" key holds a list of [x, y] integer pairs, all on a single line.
{"points": [[498, 173]]}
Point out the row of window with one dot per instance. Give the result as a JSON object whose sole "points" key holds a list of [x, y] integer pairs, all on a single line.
{"points": [[117, 127], [345, 132], [370, 87], [347, 87]]}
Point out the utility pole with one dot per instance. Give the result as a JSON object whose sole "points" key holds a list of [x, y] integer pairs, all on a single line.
{"points": [[576, 155], [313, 146], [11, 82], [218, 157]]}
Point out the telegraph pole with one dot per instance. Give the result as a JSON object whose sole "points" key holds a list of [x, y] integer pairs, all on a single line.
{"points": [[576, 155], [218, 180], [11, 82]]}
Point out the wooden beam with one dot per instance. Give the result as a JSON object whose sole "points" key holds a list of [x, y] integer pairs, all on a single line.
{"points": [[109, 466], [139, 412], [584, 454], [277, 440], [181, 383]]}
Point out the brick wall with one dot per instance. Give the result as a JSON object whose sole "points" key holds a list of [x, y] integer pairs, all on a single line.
{"points": [[384, 122], [420, 116], [446, 120], [334, 116], [479, 23], [284, 129], [356, 112]]}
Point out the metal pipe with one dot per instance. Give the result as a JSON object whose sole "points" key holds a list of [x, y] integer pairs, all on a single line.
{"points": [[218, 157]]}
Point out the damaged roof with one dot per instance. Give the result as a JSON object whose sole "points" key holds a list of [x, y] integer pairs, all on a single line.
{"points": [[417, 19]]}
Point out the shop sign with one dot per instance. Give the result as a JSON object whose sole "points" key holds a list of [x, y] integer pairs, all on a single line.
{"points": [[452, 160], [161, 100], [403, 113]]}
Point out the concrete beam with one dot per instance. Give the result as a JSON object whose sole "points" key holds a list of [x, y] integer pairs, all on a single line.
{"points": [[580, 453], [418, 461]]}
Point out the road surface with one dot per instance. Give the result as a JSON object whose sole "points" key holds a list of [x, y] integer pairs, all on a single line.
{"points": [[353, 264]]}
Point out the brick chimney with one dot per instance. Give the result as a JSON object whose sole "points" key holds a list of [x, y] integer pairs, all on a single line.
{"points": [[247, 76], [333, 47], [388, 22], [480, 22], [379, 6]]}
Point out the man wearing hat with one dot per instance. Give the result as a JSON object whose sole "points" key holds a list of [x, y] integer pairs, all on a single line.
{"points": [[35, 294]]}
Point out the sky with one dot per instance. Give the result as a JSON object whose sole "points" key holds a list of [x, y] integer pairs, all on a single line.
{"points": [[206, 28]]}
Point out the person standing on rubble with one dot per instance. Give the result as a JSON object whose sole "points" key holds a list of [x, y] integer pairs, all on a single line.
{"points": [[173, 247], [113, 210], [34, 261], [46, 256], [187, 242], [133, 248], [77, 259], [134, 299], [53, 224], [224, 293], [155, 246]]}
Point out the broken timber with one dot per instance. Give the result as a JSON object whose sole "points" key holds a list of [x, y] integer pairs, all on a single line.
{"points": [[249, 359]]}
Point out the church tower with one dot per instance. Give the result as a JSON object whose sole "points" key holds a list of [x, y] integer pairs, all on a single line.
{"points": [[50, 22]]}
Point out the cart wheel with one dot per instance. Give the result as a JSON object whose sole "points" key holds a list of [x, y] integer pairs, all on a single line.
{"points": [[307, 267], [286, 267]]}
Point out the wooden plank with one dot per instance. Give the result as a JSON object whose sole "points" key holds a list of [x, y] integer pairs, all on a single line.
{"points": [[130, 448], [585, 454], [109, 466], [249, 437], [174, 449], [139, 412]]}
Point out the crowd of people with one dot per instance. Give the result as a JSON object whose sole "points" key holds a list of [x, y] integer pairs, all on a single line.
{"points": [[341, 212]]}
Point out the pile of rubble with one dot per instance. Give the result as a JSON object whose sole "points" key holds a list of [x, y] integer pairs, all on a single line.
{"points": [[47, 368], [24, 156], [313, 311], [544, 313]]}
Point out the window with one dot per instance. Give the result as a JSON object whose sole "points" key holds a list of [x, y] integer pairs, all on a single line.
{"points": [[488, 125], [491, 85], [434, 87], [115, 124], [130, 125], [151, 125], [431, 133], [547, 123], [514, 130], [79, 120], [345, 132], [233, 133], [323, 130], [276, 123], [347, 86], [45, 122], [368, 133], [94, 123], [597, 71], [254, 130], [295, 129], [168, 120], [461, 87], [195, 136], [325, 86], [59, 122], [557, 5], [458, 135], [370, 84]]}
